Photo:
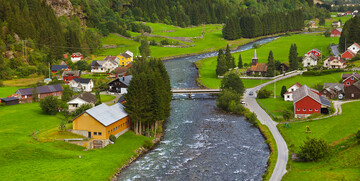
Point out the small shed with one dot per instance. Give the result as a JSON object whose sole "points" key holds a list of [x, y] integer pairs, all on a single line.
{"points": [[10, 101]]}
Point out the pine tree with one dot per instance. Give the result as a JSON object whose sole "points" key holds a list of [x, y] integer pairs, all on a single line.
{"points": [[221, 67], [144, 48], [240, 64], [271, 65], [230, 60], [283, 91]]}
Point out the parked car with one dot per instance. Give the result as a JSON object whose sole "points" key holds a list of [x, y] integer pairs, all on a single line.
{"points": [[251, 93], [242, 102]]}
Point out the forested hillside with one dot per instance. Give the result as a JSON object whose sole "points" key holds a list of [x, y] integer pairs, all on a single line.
{"points": [[350, 33]]}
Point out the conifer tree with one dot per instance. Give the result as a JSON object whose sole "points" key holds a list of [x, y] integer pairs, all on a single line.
{"points": [[144, 48], [221, 67], [283, 91], [240, 64], [271, 65]]}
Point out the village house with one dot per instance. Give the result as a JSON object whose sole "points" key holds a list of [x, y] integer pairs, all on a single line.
{"points": [[10, 101], [67, 76], [307, 102], [288, 96], [309, 60], [355, 13], [103, 66], [349, 79], [25, 95], [335, 63], [315, 52], [283, 67], [336, 32], [348, 13], [99, 122], [81, 99], [56, 68], [75, 57], [126, 58], [120, 71], [336, 24], [333, 90], [114, 59], [80, 84], [353, 91], [351, 51], [257, 68], [120, 84]]}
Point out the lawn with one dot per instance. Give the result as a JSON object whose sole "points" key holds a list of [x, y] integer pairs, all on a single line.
{"points": [[6, 91], [24, 158], [276, 106], [107, 98], [280, 48], [23, 82], [343, 164]]}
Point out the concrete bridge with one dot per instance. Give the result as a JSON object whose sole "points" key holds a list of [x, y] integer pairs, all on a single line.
{"points": [[195, 91]]}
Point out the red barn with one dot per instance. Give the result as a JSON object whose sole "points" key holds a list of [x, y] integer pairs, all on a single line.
{"points": [[307, 102], [315, 51], [70, 75], [25, 95], [336, 32], [349, 79]]}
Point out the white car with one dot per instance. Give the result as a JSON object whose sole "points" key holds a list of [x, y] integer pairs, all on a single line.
{"points": [[242, 102]]}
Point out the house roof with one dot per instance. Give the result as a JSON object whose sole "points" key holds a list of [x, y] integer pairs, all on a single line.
{"points": [[259, 67], [315, 49], [356, 45], [126, 55], [305, 91], [121, 99], [334, 86], [346, 76], [337, 58], [100, 62], [41, 90], [107, 115], [297, 84], [82, 81], [86, 96], [110, 58], [9, 99], [75, 73], [120, 70], [55, 68], [77, 54], [126, 80]]}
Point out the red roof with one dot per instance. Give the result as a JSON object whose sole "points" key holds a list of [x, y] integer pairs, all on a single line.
{"points": [[337, 58], [357, 45], [297, 84], [348, 54], [336, 32], [76, 54]]}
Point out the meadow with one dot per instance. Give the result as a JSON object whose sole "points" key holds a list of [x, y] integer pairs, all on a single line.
{"points": [[24, 158], [106, 98], [343, 163], [280, 48], [7, 91]]}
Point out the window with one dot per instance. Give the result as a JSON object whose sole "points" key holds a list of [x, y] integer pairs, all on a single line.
{"points": [[95, 133], [108, 132], [352, 95], [116, 128], [111, 131], [352, 78], [99, 133], [347, 83], [316, 109], [288, 96], [298, 109], [310, 109], [304, 109]]}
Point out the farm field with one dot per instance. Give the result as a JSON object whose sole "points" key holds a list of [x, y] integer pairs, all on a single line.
{"points": [[6, 91], [276, 106], [344, 162], [24, 158], [280, 48]]}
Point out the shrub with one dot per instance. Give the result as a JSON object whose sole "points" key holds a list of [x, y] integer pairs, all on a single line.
{"points": [[283, 91], [225, 97], [82, 109], [1, 84], [358, 135], [62, 126], [327, 33], [263, 94], [314, 149], [112, 138], [148, 144], [251, 117], [287, 114], [49, 105], [165, 42], [233, 81]]}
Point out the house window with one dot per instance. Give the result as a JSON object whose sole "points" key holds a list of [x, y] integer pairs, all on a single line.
{"points": [[352, 95], [99, 133], [352, 78], [310, 109], [75, 105], [95, 133], [116, 128], [288, 96], [304, 109], [111, 130], [316, 109], [108, 132], [347, 83], [298, 109]]}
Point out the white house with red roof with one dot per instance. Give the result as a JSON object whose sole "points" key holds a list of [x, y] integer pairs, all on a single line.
{"points": [[336, 32], [335, 63], [309, 60], [307, 101], [315, 51], [288, 96], [76, 57], [351, 51]]}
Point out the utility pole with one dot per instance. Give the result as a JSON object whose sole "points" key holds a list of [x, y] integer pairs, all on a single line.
{"points": [[49, 72], [275, 84], [26, 57]]}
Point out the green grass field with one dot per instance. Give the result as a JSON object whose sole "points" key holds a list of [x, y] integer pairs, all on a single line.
{"points": [[344, 163], [6, 91], [107, 98], [280, 48], [24, 158]]}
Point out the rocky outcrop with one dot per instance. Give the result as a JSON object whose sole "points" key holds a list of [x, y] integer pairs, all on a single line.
{"points": [[65, 8]]}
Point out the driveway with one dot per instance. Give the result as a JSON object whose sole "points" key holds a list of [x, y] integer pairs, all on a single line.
{"points": [[264, 118]]}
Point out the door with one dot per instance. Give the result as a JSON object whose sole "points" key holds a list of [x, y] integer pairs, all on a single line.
{"points": [[89, 134]]}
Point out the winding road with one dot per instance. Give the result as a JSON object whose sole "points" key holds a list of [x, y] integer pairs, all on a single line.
{"points": [[264, 118]]}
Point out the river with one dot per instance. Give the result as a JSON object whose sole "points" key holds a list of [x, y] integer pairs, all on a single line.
{"points": [[199, 142]]}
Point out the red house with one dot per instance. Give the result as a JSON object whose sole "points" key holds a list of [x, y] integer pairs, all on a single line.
{"points": [[25, 95], [349, 79], [336, 32], [348, 13], [348, 54], [70, 75], [307, 102], [76, 57], [315, 51]]}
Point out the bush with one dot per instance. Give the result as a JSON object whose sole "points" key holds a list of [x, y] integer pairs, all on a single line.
{"points": [[263, 94], [225, 98], [112, 138], [233, 81], [148, 144], [314, 149], [251, 117], [82, 109], [358, 135], [165, 42], [50, 105], [327, 33], [287, 114]]}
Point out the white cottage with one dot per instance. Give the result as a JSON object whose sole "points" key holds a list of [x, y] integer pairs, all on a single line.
{"points": [[81, 99], [288, 96], [309, 60], [80, 84]]}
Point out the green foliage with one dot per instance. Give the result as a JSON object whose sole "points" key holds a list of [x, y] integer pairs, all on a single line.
{"points": [[350, 33], [232, 81], [148, 144], [293, 57], [286, 114], [327, 33], [225, 98], [358, 136], [314, 149], [50, 105], [240, 63], [271, 65], [251, 117], [112, 138], [144, 48], [66, 94], [62, 126], [318, 87], [283, 91], [82, 109], [264, 93], [35, 95], [322, 21], [221, 66]]}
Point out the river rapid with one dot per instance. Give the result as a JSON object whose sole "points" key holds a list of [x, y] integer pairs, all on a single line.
{"points": [[201, 143]]}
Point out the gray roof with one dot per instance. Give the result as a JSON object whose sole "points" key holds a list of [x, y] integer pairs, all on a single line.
{"points": [[305, 91], [334, 86], [121, 99], [107, 115], [86, 96], [71, 72], [55, 68], [41, 90], [82, 81], [339, 29], [9, 99], [126, 80]]}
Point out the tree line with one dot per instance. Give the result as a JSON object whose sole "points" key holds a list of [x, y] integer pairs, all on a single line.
{"points": [[149, 96], [250, 25], [350, 33]]}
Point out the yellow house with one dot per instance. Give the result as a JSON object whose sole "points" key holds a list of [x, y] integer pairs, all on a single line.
{"points": [[126, 58], [102, 121]]}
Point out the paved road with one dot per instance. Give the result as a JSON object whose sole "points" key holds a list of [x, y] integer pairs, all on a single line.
{"points": [[264, 118], [335, 50]]}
